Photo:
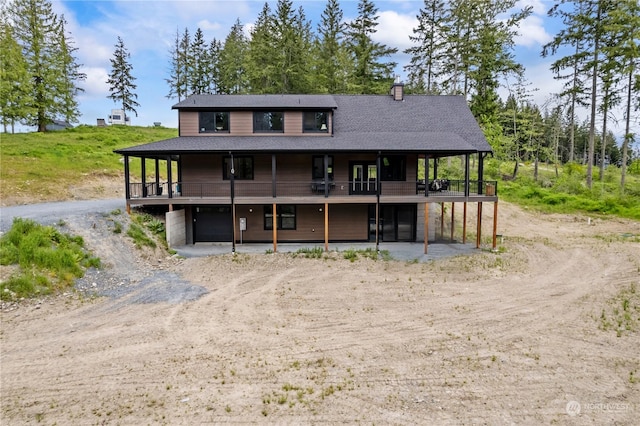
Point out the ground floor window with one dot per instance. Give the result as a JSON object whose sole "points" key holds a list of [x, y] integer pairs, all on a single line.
{"points": [[285, 217]]}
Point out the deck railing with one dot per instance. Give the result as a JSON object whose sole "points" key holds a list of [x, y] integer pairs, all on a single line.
{"points": [[434, 188]]}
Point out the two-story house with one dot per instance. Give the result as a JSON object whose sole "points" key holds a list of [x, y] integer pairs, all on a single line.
{"points": [[312, 168]]}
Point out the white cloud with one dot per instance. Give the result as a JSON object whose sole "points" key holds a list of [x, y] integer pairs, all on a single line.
{"points": [[394, 29], [531, 32], [206, 25], [96, 82]]}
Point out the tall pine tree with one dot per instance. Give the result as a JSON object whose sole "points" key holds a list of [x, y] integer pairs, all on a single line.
{"points": [[121, 81], [430, 47], [233, 61], [370, 74], [333, 63], [15, 81], [49, 60]]}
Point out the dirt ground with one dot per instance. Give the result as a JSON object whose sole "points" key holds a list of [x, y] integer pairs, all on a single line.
{"points": [[520, 336]]}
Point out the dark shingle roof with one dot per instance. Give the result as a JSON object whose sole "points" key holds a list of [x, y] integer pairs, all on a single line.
{"points": [[435, 124], [257, 101]]}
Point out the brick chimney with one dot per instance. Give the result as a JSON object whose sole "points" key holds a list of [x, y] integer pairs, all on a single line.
{"points": [[397, 90]]}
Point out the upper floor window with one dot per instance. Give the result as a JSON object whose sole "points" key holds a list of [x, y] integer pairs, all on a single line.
{"points": [[314, 121], [268, 121], [214, 121], [394, 167], [242, 168]]}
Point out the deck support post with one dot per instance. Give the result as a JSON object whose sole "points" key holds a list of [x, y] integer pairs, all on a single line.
{"points": [[479, 226], [464, 223], [495, 224], [453, 206], [326, 226], [274, 222], [426, 227]]}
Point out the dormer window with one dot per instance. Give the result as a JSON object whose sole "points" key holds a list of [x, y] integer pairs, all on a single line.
{"points": [[314, 121], [214, 121], [268, 122]]}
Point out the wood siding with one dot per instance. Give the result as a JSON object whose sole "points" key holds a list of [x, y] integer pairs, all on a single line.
{"points": [[346, 222], [188, 123], [241, 124]]}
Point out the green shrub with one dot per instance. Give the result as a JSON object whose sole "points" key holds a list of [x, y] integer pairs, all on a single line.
{"points": [[311, 253], [48, 260], [139, 236]]}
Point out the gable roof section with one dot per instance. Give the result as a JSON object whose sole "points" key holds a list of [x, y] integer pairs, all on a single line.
{"points": [[440, 125]]}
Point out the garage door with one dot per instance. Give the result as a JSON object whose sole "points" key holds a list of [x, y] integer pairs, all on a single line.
{"points": [[212, 223]]}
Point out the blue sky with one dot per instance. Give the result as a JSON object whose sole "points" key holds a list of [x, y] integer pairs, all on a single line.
{"points": [[148, 29]]}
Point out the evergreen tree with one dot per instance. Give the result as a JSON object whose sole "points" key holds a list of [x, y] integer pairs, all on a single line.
{"points": [[213, 66], [430, 47], [289, 46], [71, 73], [121, 81], [572, 35], [261, 69], [15, 82], [623, 29], [583, 28], [176, 71], [53, 73], [332, 59], [232, 62], [370, 75], [492, 55], [198, 65]]}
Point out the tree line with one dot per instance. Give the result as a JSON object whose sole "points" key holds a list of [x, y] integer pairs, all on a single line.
{"points": [[458, 47]]}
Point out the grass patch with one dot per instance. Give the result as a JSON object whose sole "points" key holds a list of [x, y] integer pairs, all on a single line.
{"points": [[47, 164], [143, 222], [368, 253], [140, 237], [48, 260], [568, 192], [310, 253], [622, 313]]}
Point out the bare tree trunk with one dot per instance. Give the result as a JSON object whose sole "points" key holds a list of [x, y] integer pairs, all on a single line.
{"points": [[594, 98], [627, 131], [603, 151]]}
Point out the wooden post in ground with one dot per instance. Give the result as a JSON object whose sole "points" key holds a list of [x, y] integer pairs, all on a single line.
{"points": [[426, 226], [464, 223], [452, 220]]}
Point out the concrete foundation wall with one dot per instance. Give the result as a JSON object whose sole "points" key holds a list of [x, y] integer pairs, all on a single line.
{"points": [[176, 229]]}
